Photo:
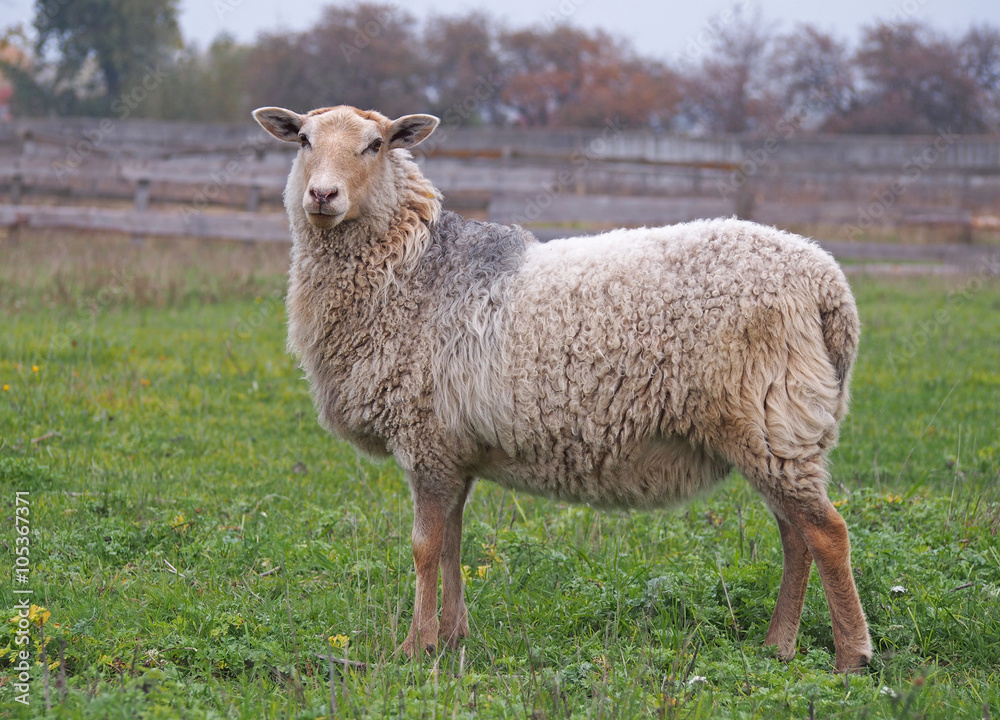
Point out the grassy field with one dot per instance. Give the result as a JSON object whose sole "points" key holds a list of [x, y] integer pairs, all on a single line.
{"points": [[197, 543]]}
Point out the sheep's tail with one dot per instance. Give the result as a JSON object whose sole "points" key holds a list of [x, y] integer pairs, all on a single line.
{"points": [[841, 332], [802, 353]]}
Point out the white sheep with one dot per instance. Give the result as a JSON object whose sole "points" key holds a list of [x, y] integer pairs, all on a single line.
{"points": [[630, 369]]}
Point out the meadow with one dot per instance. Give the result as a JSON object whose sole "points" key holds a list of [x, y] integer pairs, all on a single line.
{"points": [[200, 548]]}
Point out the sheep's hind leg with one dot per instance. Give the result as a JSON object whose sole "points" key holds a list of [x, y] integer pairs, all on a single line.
{"points": [[454, 615], [794, 579], [825, 533], [796, 493]]}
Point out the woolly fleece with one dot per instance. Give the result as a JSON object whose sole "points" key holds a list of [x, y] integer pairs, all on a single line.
{"points": [[629, 369]]}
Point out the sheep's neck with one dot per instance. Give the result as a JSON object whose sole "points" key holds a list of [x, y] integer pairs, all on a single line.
{"points": [[343, 326], [343, 266], [353, 281]]}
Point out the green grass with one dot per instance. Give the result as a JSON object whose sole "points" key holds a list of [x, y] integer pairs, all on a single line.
{"points": [[198, 539]]}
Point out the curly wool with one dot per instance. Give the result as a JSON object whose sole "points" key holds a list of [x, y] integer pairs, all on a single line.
{"points": [[637, 366], [629, 369], [632, 368]]}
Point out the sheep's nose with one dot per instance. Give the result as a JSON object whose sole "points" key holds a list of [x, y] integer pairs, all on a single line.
{"points": [[323, 196]]}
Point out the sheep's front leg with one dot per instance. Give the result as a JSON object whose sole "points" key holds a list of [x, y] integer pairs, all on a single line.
{"points": [[794, 579], [454, 615], [429, 518]]}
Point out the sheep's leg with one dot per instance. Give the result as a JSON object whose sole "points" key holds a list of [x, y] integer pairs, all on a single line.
{"points": [[454, 615], [825, 534], [796, 492], [429, 521], [794, 579]]}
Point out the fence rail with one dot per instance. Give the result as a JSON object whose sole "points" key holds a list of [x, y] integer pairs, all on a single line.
{"points": [[182, 178], [247, 226]]}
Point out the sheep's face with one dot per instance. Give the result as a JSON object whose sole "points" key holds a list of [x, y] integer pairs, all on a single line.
{"points": [[343, 161]]}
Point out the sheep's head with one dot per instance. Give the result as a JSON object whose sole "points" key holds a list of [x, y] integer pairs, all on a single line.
{"points": [[344, 157]]}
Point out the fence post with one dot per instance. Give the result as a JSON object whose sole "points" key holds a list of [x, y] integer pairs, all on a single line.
{"points": [[16, 190], [253, 198], [745, 197], [141, 204], [142, 194], [744, 200]]}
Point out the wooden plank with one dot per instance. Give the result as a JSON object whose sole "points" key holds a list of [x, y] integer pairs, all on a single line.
{"points": [[267, 176], [146, 138], [852, 213], [209, 174], [604, 211], [252, 227], [544, 208]]}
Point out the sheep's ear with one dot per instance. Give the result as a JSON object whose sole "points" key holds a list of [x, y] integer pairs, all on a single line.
{"points": [[283, 124], [409, 130]]}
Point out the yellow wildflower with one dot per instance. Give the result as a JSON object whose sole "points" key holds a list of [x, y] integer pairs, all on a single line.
{"points": [[179, 524], [36, 613]]}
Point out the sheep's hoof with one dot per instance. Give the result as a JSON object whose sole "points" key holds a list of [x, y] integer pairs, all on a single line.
{"points": [[454, 638], [785, 654], [409, 648], [853, 662]]}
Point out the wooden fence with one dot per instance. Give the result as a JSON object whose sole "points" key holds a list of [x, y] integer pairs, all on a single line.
{"points": [[225, 181]]}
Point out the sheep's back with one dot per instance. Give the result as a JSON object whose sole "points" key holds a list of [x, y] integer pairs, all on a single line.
{"points": [[617, 339]]}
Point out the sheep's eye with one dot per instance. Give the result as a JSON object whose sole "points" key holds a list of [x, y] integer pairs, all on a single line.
{"points": [[375, 146], [303, 140]]}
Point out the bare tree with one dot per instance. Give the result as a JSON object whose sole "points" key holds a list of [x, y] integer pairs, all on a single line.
{"points": [[366, 55], [464, 68], [731, 91], [979, 51], [813, 76], [912, 81], [623, 90]]}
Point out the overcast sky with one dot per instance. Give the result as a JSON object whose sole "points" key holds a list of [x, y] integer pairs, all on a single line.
{"points": [[666, 30]]}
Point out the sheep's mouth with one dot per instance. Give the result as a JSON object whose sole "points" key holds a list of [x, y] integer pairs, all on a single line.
{"points": [[326, 218]]}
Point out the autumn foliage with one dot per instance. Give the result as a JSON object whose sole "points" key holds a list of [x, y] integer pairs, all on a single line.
{"points": [[742, 75]]}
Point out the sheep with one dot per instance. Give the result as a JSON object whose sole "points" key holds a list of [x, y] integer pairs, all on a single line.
{"points": [[631, 369]]}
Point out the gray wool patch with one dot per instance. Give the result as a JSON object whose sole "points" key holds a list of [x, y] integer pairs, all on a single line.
{"points": [[468, 253]]}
